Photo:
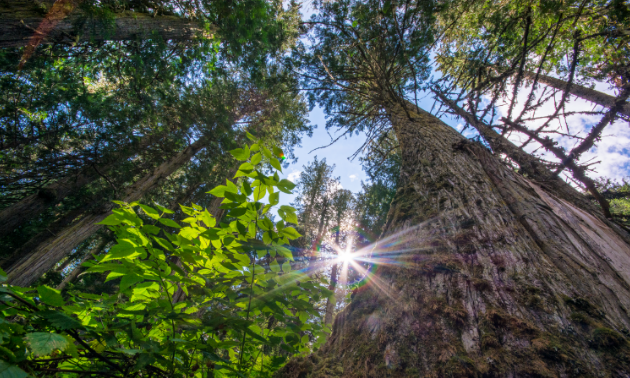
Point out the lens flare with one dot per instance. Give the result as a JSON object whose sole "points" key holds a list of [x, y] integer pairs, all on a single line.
{"points": [[282, 157]]}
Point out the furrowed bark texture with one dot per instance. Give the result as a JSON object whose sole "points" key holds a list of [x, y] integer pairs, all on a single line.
{"points": [[580, 91], [31, 266], [19, 21], [30, 207], [494, 277]]}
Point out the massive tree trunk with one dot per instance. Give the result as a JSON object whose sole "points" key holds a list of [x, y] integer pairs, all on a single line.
{"points": [[31, 266], [494, 276], [580, 91], [21, 20], [30, 207]]}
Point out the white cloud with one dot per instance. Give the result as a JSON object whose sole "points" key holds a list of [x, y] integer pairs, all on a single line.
{"points": [[353, 177], [294, 176]]}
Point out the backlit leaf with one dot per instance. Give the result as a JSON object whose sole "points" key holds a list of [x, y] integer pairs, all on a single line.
{"points": [[50, 296], [43, 343]]}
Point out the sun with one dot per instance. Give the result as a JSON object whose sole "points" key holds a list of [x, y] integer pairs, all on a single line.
{"points": [[345, 256]]}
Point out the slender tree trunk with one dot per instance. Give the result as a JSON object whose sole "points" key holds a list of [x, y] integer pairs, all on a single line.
{"points": [[20, 21], [580, 91], [30, 207], [331, 301], [30, 267], [323, 222], [89, 255], [494, 276]]}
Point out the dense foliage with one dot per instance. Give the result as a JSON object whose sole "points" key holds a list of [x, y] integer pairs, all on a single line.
{"points": [[194, 298]]}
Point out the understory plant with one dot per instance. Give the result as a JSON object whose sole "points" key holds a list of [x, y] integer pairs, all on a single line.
{"points": [[195, 298]]}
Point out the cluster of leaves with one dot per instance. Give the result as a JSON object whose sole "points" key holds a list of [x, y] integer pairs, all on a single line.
{"points": [[195, 298]]}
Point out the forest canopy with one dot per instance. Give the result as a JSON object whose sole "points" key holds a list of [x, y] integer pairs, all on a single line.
{"points": [[144, 225]]}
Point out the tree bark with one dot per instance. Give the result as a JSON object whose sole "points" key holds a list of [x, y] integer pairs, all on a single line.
{"points": [[331, 301], [31, 266], [20, 21], [580, 91], [89, 255], [30, 207], [493, 275]]}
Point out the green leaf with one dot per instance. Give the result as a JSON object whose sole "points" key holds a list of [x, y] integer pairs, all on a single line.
{"points": [[169, 222], [43, 343], [60, 320], [247, 189], [291, 233], [305, 339], [208, 219], [50, 296], [277, 151], [354, 23], [11, 371], [276, 164], [241, 153], [250, 136], [266, 152], [246, 167], [274, 266], [219, 191], [129, 280], [111, 220], [164, 209], [122, 251], [259, 192], [274, 198], [151, 212], [286, 267], [286, 186], [256, 159]]}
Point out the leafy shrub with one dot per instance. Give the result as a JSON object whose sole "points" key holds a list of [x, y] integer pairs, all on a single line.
{"points": [[195, 298]]}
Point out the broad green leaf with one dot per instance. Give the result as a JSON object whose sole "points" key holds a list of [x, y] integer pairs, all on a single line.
{"points": [[129, 280], [259, 192], [43, 343], [266, 152], [250, 136], [305, 339], [241, 153], [169, 222], [219, 191], [8, 370], [276, 164], [247, 189], [274, 198], [286, 267], [274, 266], [164, 209], [286, 186], [256, 159], [208, 219], [50, 296], [111, 220], [277, 151], [151, 212], [60, 320], [291, 233]]}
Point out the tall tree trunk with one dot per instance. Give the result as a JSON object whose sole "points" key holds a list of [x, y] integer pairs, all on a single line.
{"points": [[31, 266], [20, 21], [331, 301], [494, 276], [580, 91], [30, 207], [89, 255]]}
